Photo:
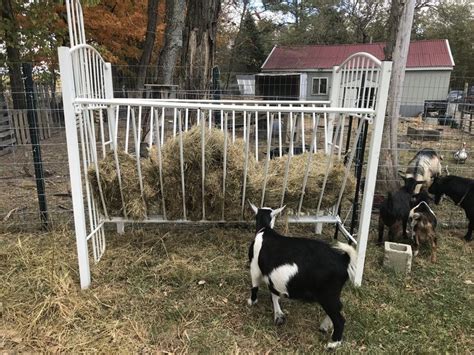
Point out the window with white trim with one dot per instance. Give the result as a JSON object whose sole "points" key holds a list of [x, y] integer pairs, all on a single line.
{"points": [[320, 86]]}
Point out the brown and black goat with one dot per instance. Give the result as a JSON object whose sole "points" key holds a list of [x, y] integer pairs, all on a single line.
{"points": [[421, 226]]}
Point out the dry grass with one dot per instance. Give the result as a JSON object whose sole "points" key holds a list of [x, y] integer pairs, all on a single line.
{"points": [[148, 295]]}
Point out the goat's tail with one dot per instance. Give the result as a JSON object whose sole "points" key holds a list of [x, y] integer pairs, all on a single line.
{"points": [[352, 254]]}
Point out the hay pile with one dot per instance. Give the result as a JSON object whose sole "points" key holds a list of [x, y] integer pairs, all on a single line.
{"points": [[135, 207], [215, 201], [213, 185], [296, 172]]}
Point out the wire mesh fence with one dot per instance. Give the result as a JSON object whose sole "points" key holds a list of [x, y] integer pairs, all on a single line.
{"points": [[428, 120]]}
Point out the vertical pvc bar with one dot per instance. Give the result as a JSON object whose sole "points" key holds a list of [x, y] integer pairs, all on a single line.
{"points": [[245, 125], [127, 129], [150, 134], [174, 121], [307, 167], [186, 120], [371, 175], [75, 175], [137, 136], [160, 167], [349, 163], [246, 163], [224, 173], [328, 168], [287, 166], [181, 163], [279, 131], [233, 126], [162, 125], [267, 158], [102, 133], [256, 135], [96, 163], [203, 164], [302, 131], [117, 166]]}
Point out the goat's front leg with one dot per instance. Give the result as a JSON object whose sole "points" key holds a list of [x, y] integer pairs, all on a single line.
{"points": [[470, 228], [256, 276], [416, 244], [434, 244], [279, 316]]}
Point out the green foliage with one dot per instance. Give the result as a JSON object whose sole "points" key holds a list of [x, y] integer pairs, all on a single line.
{"points": [[455, 23], [250, 44]]}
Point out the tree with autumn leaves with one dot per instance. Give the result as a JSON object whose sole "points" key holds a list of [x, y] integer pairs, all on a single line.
{"points": [[128, 33], [179, 41]]}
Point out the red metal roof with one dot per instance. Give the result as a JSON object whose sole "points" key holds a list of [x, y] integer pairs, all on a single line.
{"points": [[421, 54]]}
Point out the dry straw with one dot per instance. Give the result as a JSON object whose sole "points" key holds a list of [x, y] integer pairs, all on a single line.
{"points": [[216, 201]]}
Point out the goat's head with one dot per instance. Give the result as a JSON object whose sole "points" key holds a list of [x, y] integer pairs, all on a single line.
{"points": [[410, 183], [437, 189], [265, 216], [420, 216]]}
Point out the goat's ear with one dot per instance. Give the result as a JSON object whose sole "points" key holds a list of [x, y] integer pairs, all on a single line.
{"points": [[277, 211], [254, 208], [447, 171]]}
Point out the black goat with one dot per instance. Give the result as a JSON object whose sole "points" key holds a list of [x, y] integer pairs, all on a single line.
{"points": [[395, 209], [300, 268], [461, 191]]}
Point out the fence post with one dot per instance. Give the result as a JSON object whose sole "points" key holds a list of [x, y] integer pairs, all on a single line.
{"points": [[35, 142], [372, 167], [68, 93]]}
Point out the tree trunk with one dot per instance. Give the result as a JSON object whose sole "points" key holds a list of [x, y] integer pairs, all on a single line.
{"points": [[199, 45], [13, 55], [230, 68], [400, 23], [148, 45], [175, 15]]}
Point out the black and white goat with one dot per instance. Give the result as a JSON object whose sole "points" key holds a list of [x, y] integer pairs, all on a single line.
{"points": [[300, 268], [461, 191], [422, 223], [421, 170]]}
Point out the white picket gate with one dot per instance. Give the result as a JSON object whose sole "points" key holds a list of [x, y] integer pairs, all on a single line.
{"points": [[95, 122]]}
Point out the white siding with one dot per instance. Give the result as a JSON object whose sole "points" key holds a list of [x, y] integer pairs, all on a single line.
{"points": [[421, 85]]}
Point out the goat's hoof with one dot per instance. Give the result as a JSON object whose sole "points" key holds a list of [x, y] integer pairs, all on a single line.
{"points": [[333, 344], [250, 302], [280, 320], [468, 239]]}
